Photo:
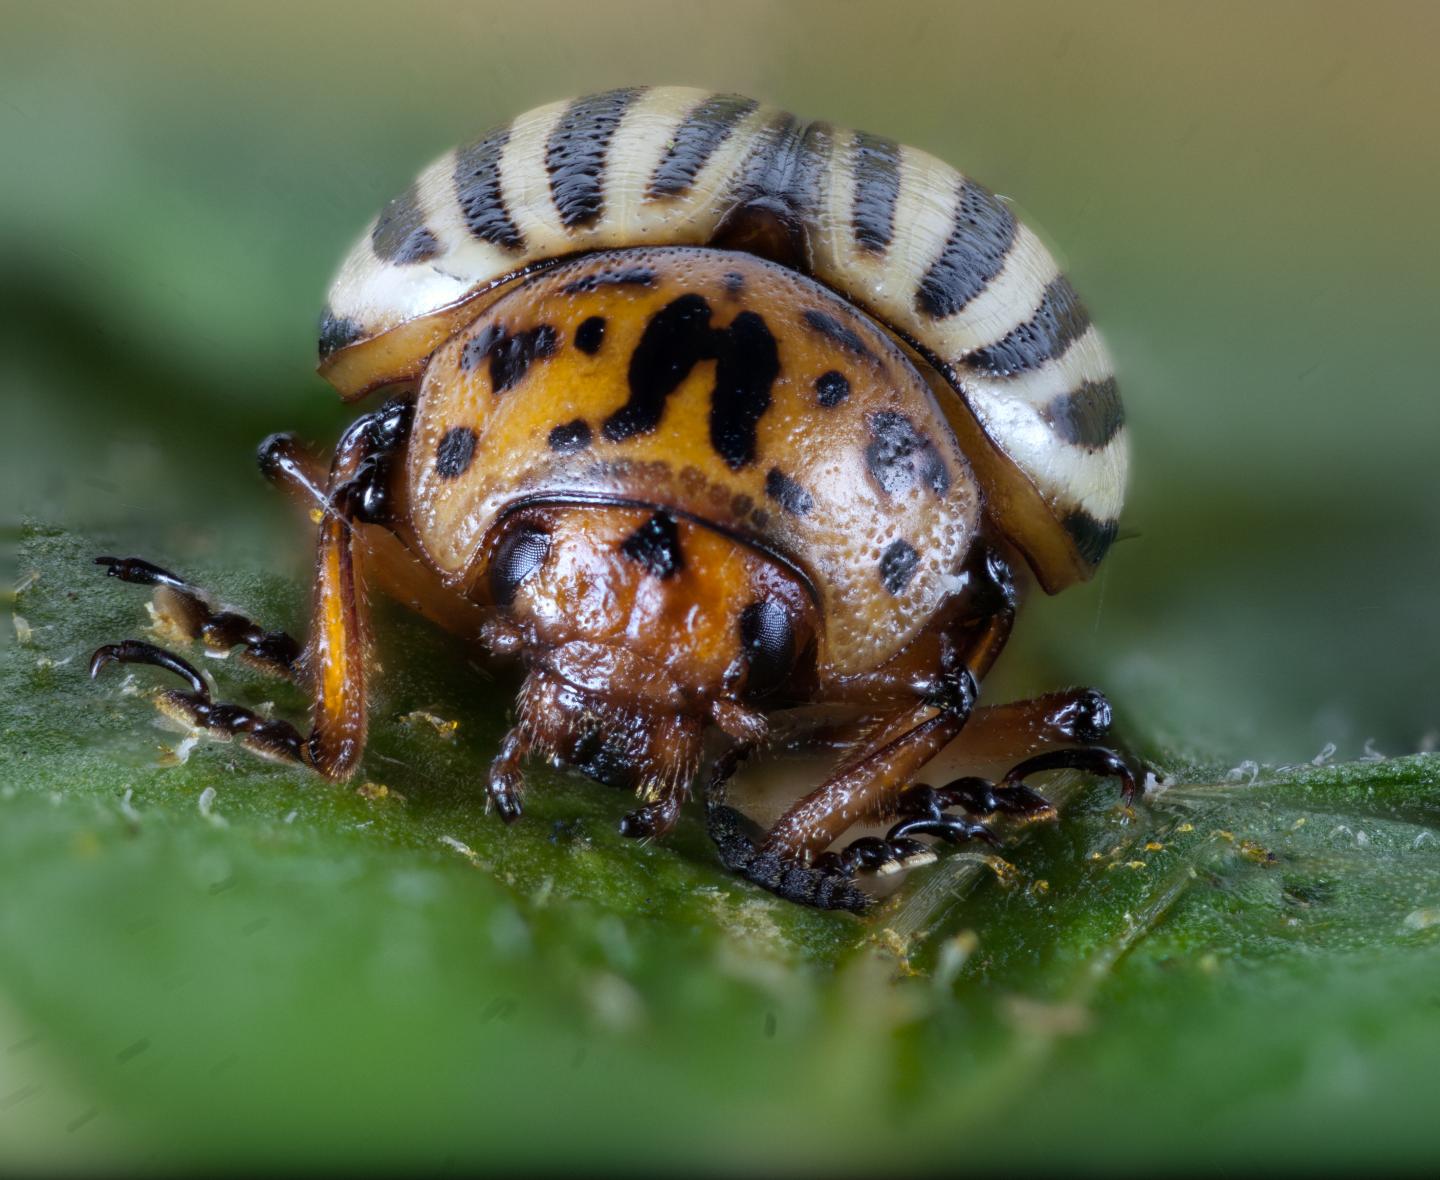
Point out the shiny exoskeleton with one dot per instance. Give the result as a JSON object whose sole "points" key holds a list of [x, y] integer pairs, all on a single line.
{"points": [[704, 414]]}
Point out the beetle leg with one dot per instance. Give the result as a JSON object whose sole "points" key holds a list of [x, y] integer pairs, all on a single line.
{"points": [[336, 655], [659, 815], [184, 609], [278, 740]]}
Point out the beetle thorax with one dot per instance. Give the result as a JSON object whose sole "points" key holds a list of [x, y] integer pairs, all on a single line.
{"points": [[716, 388]]}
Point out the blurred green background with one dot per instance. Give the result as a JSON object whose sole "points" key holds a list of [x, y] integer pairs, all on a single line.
{"points": [[1245, 194]]}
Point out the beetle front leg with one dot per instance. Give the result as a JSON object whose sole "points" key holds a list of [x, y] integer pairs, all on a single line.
{"points": [[335, 658]]}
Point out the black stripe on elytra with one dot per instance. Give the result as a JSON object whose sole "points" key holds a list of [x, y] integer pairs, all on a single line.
{"points": [[1088, 416], [575, 154], [899, 455], [510, 357], [477, 188], [629, 276], [980, 238], [897, 565], [1092, 537], [676, 339], [337, 332], [876, 162], [700, 133], [833, 330], [787, 493], [400, 234], [1058, 322], [570, 436], [656, 546], [455, 452]]}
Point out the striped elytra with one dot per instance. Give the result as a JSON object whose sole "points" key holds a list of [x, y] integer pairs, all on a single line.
{"points": [[942, 264]]}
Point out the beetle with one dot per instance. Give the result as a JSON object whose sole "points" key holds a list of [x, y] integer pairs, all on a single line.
{"points": [[705, 414]]}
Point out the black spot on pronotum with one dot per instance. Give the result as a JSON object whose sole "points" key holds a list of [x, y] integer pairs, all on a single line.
{"points": [[768, 639], [899, 455], [477, 188], [702, 131], [1088, 416], [400, 234], [897, 565], [876, 163], [787, 493], [748, 361], [1092, 537], [455, 452], [836, 332], [629, 276], [831, 388], [510, 357], [570, 436], [337, 332], [520, 553], [656, 546], [590, 335], [677, 338], [1058, 322], [575, 154], [980, 238]]}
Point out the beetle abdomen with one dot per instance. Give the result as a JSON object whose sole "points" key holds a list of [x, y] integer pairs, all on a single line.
{"points": [[936, 257]]}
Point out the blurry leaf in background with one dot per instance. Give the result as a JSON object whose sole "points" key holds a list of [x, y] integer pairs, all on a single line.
{"points": [[1244, 194]]}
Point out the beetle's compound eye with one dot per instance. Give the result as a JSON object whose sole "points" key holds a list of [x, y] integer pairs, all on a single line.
{"points": [[768, 638], [519, 554]]}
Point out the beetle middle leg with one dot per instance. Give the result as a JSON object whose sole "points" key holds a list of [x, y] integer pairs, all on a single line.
{"points": [[334, 660]]}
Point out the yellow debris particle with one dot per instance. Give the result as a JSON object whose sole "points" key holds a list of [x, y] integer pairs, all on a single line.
{"points": [[1254, 851], [1136, 864], [1004, 871], [446, 729], [316, 516], [896, 946], [1224, 835], [377, 791], [1154, 846], [1298, 824], [1186, 828], [1040, 886], [1097, 856]]}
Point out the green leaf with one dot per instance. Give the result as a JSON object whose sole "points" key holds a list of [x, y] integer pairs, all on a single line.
{"points": [[229, 961]]}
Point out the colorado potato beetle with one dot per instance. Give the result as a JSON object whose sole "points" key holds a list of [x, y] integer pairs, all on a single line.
{"points": [[705, 414]]}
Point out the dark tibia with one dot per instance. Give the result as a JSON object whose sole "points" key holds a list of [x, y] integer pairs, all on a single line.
{"points": [[824, 887], [182, 605], [273, 739]]}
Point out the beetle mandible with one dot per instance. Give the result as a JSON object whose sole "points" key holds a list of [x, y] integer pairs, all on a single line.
{"points": [[705, 414]]}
